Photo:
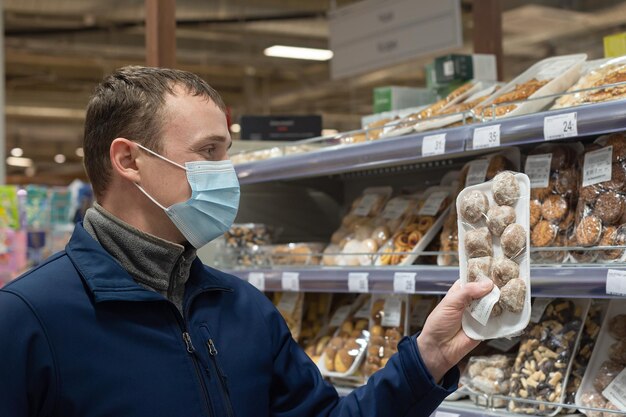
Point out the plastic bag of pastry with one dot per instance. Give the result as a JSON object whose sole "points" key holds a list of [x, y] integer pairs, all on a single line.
{"points": [[545, 358], [417, 230], [489, 375], [601, 209], [387, 325], [554, 175], [590, 87], [494, 234], [345, 350], [290, 305], [242, 243], [588, 340], [549, 76], [339, 311], [295, 253], [420, 307], [314, 318]]}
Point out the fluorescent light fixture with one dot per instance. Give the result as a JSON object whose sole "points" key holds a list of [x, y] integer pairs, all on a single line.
{"points": [[59, 158], [293, 52], [80, 152], [235, 128], [16, 161], [17, 152]]}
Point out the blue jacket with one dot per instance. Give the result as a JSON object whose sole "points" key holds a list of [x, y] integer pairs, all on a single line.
{"points": [[78, 337]]}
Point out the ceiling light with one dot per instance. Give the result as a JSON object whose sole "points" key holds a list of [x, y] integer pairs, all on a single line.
{"points": [[294, 52], [59, 158], [235, 128], [80, 152], [16, 161], [17, 152]]}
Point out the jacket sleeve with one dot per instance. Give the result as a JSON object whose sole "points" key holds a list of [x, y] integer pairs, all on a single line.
{"points": [[402, 388], [27, 377]]}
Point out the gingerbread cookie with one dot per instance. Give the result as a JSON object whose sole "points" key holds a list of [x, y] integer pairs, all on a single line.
{"points": [[618, 178], [474, 206], [588, 231], [554, 208], [478, 267], [503, 270], [513, 240], [609, 207], [566, 182], [513, 295], [478, 243], [543, 234], [505, 189], [499, 217], [535, 212]]}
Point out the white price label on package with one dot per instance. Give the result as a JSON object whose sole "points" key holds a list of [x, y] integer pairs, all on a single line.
{"points": [[481, 309], [504, 344], [486, 137], [538, 170], [597, 166], [433, 203], [616, 391], [358, 282], [616, 282], [392, 312], [395, 208], [257, 279], [340, 315], [290, 281], [539, 307], [560, 126], [366, 204], [434, 145], [288, 301], [404, 282], [477, 172]]}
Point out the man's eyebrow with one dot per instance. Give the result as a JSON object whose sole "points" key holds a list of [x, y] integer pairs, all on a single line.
{"points": [[219, 138]]}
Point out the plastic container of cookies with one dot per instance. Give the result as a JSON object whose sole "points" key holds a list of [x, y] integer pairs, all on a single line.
{"points": [[607, 360], [547, 77], [345, 350], [493, 244], [388, 324], [290, 305]]}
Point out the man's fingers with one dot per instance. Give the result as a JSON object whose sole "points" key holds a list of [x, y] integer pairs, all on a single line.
{"points": [[463, 296]]}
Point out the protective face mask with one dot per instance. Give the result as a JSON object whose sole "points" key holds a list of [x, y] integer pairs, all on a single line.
{"points": [[214, 201]]}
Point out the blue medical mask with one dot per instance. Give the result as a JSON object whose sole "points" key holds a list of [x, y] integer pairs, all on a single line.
{"points": [[214, 201]]}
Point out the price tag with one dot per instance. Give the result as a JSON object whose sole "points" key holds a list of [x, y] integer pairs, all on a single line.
{"points": [[486, 137], [257, 279], [504, 344], [287, 303], [395, 208], [404, 282], [421, 312], [597, 166], [477, 172], [366, 204], [539, 307], [616, 282], [357, 282], [481, 309], [290, 281], [538, 170], [560, 126], [341, 314], [363, 312], [434, 145], [433, 203], [392, 312], [616, 391]]}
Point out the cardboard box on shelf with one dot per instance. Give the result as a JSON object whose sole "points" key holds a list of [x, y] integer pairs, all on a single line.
{"points": [[455, 67]]}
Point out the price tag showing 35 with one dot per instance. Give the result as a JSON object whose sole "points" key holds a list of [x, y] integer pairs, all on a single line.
{"points": [[486, 137]]}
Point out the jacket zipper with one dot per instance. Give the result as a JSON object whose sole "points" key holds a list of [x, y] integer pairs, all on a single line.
{"points": [[220, 374], [192, 352]]}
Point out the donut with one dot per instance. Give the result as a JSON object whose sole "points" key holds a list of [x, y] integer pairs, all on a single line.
{"points": [[425, 223]]}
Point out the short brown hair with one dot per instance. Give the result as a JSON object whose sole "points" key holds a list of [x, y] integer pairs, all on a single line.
{"points": [[129, 104]]}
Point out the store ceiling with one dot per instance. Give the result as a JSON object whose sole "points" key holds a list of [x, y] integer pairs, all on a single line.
{"points": [[57, 50]]}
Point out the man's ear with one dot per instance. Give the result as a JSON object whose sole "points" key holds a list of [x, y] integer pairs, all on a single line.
{"points": [[124, 154]]}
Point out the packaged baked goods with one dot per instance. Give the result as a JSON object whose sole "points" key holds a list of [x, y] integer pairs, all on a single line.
{"points": [[604, 383], [488, 375], [345, 350], [417, 230], [314, 318], [554, 176], [596, 84], [340, 309], [386, 328], [496, 249], [290, 305], [543, 363], [420, 307], [474, 172], [294, 253], [601, 209], [546, 77], [243, 242]]}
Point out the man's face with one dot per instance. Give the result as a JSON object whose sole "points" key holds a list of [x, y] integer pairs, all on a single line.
{"points": [[194, 129]]}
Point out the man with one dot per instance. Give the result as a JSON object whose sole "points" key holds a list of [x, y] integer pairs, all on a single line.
{"points": [[128, 322]]}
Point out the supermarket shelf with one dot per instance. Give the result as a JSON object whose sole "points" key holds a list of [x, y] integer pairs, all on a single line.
{"points": [[345, 158], [592, 119], [549, 281]]}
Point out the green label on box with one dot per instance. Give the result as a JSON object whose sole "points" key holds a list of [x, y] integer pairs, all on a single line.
{"points": [[615, 45], [382, 99]]}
